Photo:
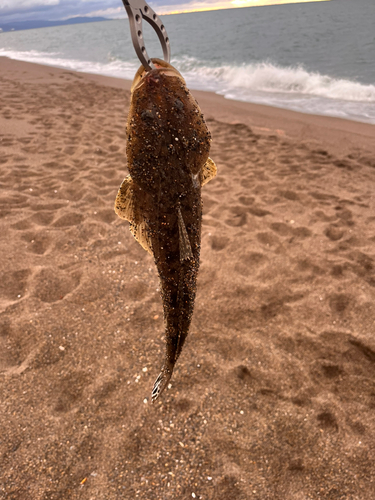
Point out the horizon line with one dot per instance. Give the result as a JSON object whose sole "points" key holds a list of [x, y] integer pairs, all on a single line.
{"points": [[260, 3]]}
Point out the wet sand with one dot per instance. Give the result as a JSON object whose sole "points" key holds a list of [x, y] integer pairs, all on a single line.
{"points": [[274, 394]]}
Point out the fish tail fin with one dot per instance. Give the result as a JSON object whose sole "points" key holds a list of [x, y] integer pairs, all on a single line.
{"points": [[161, 382]]}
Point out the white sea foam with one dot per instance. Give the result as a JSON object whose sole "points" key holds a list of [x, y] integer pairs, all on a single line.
{"points": [[292, 87], [267, 77], [265, 83], [114, 67]]}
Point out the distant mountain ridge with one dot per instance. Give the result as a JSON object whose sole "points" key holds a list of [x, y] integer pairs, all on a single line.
{"points": [[29, 25]]}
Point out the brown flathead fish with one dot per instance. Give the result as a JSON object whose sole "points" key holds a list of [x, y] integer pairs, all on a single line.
{"points": [[167, 149]]}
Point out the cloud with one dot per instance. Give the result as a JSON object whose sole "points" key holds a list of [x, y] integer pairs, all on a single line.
{"points": [[113, 13], [53, 10], [22, 4]]}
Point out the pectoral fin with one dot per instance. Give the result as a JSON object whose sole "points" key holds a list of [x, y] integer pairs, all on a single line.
{"points": [[126, 209], [208, 171], [185, 247], [124, 204], [140, 233]]}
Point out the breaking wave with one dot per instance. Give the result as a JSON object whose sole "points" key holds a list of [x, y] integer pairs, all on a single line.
{"points": [[268, 77], [265, 83]]}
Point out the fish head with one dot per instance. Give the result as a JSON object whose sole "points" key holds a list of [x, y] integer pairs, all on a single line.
{"points": [[156, 77], [166, 128]]}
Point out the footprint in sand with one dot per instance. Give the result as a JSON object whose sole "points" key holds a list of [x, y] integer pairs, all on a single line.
{"points": [[327, 421], [43, 218], [289, 195], [322, 216], [363, 349], [4, 213], [111, 173], [301, 233], [21, 225], [72, 194], [346, 164], [238, 217], [281, 229], [38, 243], [248, 261], [253, 258], [331, 370], [17, 347], [7, 142], [337, 270], [238, 220], [15, 201], [272, 308], [268, 239], [69, 390], [219, 242], [334, 233], [345, 215], [69, 219], [246, 200], [13, 284], [69, 150], [323, 198], [258, 212], [365, 264], [50, 284], [339, 302]]}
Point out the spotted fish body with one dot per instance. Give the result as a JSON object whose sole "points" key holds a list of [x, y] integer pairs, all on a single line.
{"points": [[167, 149]]}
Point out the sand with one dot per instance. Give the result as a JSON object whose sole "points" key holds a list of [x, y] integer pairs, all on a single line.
{"points": [[274, 394]]}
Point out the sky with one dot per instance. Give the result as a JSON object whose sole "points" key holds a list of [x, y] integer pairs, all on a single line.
{"points": [[53, 10]]}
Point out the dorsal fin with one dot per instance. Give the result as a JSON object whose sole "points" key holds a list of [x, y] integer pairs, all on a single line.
{"points": [[185, 247]]}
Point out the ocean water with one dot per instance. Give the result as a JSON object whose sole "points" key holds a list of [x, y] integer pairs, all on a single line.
{"points": [[311, 57]]}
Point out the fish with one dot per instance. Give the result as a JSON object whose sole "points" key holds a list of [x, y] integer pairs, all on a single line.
{"points": [[168, 144]]}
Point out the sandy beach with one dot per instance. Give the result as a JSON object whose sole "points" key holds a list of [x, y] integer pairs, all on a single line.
{"points": [[273, 397]]}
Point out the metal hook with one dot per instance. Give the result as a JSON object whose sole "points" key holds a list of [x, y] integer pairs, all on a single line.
{"points": [[138, 10]]}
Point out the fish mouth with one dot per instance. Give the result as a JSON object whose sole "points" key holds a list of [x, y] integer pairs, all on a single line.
{"points": [[161, 67]]}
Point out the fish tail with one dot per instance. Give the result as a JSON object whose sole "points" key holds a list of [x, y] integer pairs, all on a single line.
{"points": [[161, 382]]}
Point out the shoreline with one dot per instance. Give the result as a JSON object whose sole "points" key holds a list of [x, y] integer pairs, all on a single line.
{"points": [[339, 134]]}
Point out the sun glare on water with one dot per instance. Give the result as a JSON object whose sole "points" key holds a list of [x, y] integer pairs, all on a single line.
{"points": [[196, 6], [259, 3]]}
